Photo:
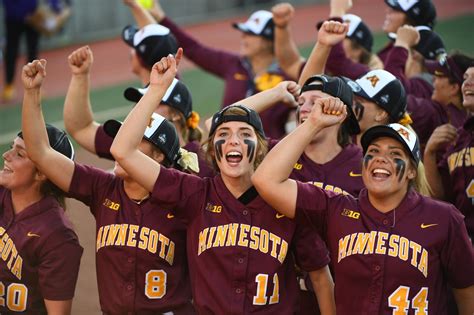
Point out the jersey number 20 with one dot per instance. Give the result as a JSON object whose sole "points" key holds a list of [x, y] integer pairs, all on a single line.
{"points": [[155, 284], [399, 301], [15, 298]]}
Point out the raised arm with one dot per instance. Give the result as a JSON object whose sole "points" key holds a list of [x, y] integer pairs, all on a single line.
{"points": [[125, 147], [58, 168], [141, 15], [441, 137], [78, 117], [330, 33], [271, 177], [286, 51]]}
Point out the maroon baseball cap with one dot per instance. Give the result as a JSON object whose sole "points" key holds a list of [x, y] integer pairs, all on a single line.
{"points": [[445, 67]]}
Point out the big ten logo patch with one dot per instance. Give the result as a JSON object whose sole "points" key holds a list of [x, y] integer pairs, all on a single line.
{"points": [[350, 213], [111, 205], [298, 166], [213, 208]]}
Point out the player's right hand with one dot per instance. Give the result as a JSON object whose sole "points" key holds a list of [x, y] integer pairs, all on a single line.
{"points": [[33, 74], [332, 32], [164, 71], [407, 36], [282, 14], [80, 60], [441, 136], [289, 92], [327, 112]]}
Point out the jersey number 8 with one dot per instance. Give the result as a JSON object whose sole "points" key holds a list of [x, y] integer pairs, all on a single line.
{"points": [[16, 296], [155, 284]]}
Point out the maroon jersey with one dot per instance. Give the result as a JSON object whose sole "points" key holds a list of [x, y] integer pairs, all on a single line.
{"points": [[385, 263], [103, 142], [457, 169], [343, 174], [140, 249], [240, 81], [40, 256], [238, 249], [427, 115]]}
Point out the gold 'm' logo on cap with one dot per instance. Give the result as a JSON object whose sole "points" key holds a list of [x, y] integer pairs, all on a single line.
{"points": [[404, 133], [373, 80]]}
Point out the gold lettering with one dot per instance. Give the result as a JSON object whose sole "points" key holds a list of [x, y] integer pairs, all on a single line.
{"points": [[122, 235], [254, 241], [143, 238], [351, 243], [12, 256], [232, 234], [275, 239], [221, 235], [212, 231], [243, 241], [131, 235], [264, 241], [7, 249], [153, 242], [99, 238], [114, 228], [17, 267], [360, 243], [202, 240], [416, 248], [404, 248], [370, 245], [423, 265], [381, 249], [164, 242], [393, 245], [283, 251], [343, 247], [170, 255]]}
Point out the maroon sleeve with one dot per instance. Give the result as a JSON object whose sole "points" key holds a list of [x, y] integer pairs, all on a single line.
{"points": [[339, 64], [102, 143], [87, 183], [310, 250], [59, 265], [179, 191], [395, 64], [212, 60], [457, 256], [311, 205]]}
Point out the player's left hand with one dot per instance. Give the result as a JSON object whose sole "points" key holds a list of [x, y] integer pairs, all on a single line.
{"points": [[282, 14], [407, 36], [332, 32], [164, 71], [33, 74], [327, 112]]}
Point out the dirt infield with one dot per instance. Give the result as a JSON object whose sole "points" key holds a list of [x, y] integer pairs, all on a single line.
{"points": [[111, 67]]}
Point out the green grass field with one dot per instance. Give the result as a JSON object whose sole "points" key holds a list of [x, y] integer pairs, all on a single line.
{"points": [[206, 89]]}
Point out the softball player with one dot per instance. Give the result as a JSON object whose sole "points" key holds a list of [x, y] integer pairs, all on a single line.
{"points": [[176, 106], [252, 70], [140, 253], [40, 252], [453, 178], [238, 246], [393, 250]]}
